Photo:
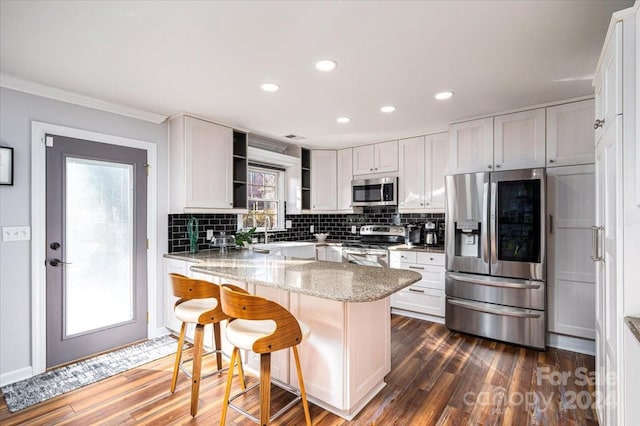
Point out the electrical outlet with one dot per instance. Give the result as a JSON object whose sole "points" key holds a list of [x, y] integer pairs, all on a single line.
{"points": [[209, 234], [288, 224], [16, 233], [311, 228], [353, 229]]}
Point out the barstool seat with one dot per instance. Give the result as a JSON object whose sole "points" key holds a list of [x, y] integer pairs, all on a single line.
{"points": [[190, 310], [244, 333]]}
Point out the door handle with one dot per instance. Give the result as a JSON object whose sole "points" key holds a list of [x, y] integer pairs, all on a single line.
{"points": [[598, 124], [595, 243], [510, 312], [551, 224], [56, 262]]}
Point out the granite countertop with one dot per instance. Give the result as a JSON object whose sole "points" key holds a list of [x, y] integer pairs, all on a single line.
{"points": [[328, 280], [634, 325]]}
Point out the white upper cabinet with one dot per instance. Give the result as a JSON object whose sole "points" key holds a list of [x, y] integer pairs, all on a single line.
{"points": [[201, 165], [323, 180], [345, 175], [471, 146], [412, 169], [437, 158], [422, 165], [519, 140], [377, 158], [570, 136]]}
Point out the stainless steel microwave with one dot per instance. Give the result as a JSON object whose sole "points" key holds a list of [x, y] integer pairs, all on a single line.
{"points": [[374, 192]]}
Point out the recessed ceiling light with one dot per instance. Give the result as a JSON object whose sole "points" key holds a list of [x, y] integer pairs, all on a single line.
{"points": [[443, 95], [388, 108], [326, 65], [343, 120], [270, 87]]}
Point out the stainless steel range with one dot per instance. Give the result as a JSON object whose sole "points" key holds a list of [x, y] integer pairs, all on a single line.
{"points": [[372, 247]]}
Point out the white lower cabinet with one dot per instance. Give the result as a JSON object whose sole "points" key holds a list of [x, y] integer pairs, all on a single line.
{"points": [[427, 295], [173, 266], [329, 253]]}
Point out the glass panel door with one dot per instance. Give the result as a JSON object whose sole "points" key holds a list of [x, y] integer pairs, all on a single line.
{"points": [[99, 241], [518, 229]]}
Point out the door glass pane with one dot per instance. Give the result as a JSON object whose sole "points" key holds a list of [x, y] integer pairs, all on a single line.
{"points": [[518, 221], [99, 245]]}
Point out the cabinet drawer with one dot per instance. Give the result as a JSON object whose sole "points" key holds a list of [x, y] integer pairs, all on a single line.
{"points": [[408, 256], [432, 276], [430, 258], [419, 299]]}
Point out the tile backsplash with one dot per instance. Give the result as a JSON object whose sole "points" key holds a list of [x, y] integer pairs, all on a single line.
{"points": [[337, 225]]}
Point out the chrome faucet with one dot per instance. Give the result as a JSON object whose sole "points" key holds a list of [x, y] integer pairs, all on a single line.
{"points": [[267, 226]]}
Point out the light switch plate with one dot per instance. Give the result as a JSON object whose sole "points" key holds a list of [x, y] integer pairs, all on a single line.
{"points": [[353, 229], [209, 234], [311, 229], [288, 224], [16, 233]]}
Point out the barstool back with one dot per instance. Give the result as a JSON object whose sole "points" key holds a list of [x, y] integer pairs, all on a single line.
{"points": [[237, 303], [186, 288]]}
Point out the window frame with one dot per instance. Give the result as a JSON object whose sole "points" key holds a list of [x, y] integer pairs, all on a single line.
{"points": [[280, 199]]}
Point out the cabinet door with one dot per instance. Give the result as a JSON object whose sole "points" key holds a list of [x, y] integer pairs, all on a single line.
{"points": [[173, 266], [471, 146], [363, 160], [345, 175], [609, 82], [334, 254], [570, 136], [571, 272], [386, 157], [436, 165], [412, 170], [519, 140], [323, 180], [209, 164], [321, 253]]}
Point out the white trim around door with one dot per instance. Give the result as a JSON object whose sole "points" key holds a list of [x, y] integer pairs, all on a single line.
{"points": [[38, 228]]}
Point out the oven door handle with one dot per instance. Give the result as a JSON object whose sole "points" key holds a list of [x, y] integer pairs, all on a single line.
{"points": [[488, 283], [511, 312]]}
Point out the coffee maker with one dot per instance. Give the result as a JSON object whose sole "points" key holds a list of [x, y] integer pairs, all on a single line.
{"points": [[433, 233]]}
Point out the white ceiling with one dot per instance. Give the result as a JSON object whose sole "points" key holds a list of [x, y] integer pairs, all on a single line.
{"points": [[209, 59]]}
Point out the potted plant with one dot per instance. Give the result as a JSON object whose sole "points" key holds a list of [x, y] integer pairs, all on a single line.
{"points": [[244, 237]]}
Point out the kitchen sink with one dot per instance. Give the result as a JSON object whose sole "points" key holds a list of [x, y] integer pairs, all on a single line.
{"points": [[305, 250]]}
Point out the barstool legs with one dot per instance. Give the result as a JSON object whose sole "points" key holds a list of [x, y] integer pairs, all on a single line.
{"points": [[265, 388], [303, 393], [227, 391], [197, 367], [176, 366]]}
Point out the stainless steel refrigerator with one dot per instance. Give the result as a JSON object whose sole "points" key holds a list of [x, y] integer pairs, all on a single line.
{"points": [[495, 255]]}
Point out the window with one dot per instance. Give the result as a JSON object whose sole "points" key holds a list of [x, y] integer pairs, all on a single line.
{"points": [[265, 199]]}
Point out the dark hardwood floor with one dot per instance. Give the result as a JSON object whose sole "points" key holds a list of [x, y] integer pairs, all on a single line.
{"points": [[437, 378]]}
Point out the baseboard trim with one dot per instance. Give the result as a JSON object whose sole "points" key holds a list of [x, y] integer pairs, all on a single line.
{"points": [[570, 343], [417, 315], [16, 376]]}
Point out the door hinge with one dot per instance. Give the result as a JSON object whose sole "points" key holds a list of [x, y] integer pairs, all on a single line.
{"points": [[147, 167], [147, 244]]}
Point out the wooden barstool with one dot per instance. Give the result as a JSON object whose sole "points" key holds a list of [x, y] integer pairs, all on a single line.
{"points": [[263, 326], [199, 304]]}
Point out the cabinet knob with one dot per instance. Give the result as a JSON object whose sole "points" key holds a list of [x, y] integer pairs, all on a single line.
{"points": [[427, 204], [551, 161], [598, 124], [422, 204], [231, 204], [489, 166], [497, 166]]}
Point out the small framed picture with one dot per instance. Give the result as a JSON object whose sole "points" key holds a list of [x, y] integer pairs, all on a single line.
{"points": [[6, 165]]}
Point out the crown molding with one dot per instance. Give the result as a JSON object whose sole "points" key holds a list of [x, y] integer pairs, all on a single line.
{"points": [[45, 91]]}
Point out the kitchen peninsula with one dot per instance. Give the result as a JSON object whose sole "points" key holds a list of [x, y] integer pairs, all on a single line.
{"points": [[348, 354]]}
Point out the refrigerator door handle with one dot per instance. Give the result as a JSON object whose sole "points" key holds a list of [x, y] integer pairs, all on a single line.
{"points": [[489, 283], [511, 312], [485, 220], [492, 218]]}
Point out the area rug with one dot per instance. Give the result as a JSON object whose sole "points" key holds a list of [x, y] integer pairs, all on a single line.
{"points": [[28, 392]]}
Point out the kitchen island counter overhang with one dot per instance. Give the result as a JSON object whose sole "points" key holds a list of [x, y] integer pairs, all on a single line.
{"points": [[348, 354]]}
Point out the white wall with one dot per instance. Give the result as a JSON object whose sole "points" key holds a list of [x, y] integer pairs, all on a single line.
{"points": [[17, 110]]}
